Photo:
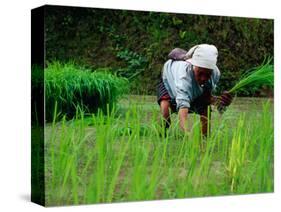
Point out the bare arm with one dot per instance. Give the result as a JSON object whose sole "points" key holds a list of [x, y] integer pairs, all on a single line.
{"points": [[183, 113]]}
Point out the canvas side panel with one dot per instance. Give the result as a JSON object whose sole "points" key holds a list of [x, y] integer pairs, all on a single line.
{"points": [[37, 106]]}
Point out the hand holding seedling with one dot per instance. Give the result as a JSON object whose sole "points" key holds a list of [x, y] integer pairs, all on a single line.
{"points": [[262, 75], [224, 100]]}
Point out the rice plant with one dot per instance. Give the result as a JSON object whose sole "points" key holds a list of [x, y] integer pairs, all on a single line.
{"points": [[75, 87], [254, 79], [262, 75], [121, 155]]}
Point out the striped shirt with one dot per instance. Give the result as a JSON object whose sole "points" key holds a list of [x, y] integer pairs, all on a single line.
{"points": [[179, 80]]}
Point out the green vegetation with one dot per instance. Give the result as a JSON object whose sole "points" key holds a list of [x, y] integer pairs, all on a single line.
{"points": [[260, 76], [122, 156], [136, 64], [100, 146], [256, 78], [138, 42], [37, 97], [72, 87]]}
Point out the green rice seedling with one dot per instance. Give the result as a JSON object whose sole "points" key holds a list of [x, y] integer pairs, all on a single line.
{"points": [[72, 86], [237, 155], [258, 174], [255, 78], [262, 75], [94, 161]]}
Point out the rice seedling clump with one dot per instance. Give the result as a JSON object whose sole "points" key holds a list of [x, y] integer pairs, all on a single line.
{"points": [[262, 75], [71, 87]]}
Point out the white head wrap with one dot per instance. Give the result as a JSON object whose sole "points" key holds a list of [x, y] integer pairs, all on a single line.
{"points": [[203, 55]]}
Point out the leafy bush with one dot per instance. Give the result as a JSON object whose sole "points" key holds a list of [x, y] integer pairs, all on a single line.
{"points": [[135, 63], [72, 87]]}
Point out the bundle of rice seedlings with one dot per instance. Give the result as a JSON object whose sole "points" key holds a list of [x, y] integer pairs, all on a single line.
{"points": [[75, 87], [262, 75], [259, 76]]}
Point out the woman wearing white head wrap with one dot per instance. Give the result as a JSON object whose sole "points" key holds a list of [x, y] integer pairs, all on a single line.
{"points": [[187, 81]]}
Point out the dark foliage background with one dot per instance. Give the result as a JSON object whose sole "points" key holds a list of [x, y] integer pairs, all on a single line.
{"points": [[135, 44]]}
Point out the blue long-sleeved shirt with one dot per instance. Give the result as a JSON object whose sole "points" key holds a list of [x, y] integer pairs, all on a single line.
{"points": [[179, 80]]}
